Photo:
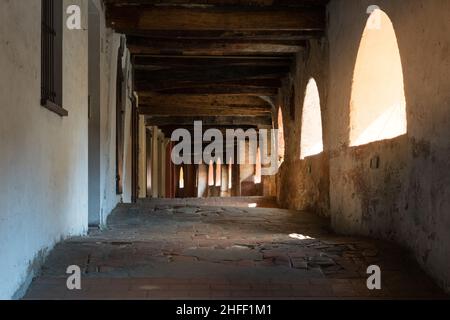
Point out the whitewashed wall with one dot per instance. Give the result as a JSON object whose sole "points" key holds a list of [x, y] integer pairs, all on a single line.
{"points": [[44, 158]]}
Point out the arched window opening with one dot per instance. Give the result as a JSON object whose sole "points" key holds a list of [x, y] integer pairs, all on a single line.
{"points": [[181, 182], [281, 143], [219, 173], [211, 174], [230, 174], [311, 133], [378, 103], [258, 177]]}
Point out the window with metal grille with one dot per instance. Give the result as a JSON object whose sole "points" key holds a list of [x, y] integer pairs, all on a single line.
{"points": [[51, 56]]}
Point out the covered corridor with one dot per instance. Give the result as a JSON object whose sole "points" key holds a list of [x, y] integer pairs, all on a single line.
{"points": [[276, 149]]}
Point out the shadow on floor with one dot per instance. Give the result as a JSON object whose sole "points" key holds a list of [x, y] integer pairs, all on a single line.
{"points": [[175, 250]]}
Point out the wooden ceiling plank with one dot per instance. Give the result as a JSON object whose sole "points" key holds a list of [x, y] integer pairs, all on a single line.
{"points": [[215, 18], [209, 120], [199, 111]]}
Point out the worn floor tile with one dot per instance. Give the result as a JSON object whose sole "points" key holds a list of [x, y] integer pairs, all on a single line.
{"points": [[195, 250]]}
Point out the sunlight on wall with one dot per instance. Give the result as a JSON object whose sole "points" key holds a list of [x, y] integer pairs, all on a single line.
{"points": [[281, 143], [181, 178], [258, 177], [378, 104], [211, 174], [219, 173], [230, 174], [311, 132]]}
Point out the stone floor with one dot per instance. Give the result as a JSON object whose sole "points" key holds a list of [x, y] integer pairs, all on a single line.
{"points": [[188, 250]]}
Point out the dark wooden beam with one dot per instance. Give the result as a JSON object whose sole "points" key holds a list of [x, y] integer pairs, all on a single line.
{"points": [[163, 78], [231, 35], [217, 89], [203, 101], [147, 17], [197, 67], [140, 45], [232, 85], [212, 121], [201, 111], [219, 47], [221, 2], [153, 62]]}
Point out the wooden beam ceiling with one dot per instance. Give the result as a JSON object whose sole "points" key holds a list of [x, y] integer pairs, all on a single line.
{"points": [[213, 58], [221, 2], [203, 105], [203, 111], [209, 75], [214, 47], [146, 18], [233, 86], [201, 100], [205, 84], [219, 121]]}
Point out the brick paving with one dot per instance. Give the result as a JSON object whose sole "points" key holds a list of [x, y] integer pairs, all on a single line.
{"points": [[214, 249]]}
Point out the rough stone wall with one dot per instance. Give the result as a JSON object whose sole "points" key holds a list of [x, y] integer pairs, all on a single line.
{"points": [[406, 198], [303, 184]]}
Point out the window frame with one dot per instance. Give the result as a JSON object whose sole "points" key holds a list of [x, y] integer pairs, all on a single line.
{"points": [[52, 56]]}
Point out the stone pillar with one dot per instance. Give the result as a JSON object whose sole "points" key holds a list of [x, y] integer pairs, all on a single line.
{"points": [[164, 143], [224, 192], [161, 156], [202, 180], [155, 162]]}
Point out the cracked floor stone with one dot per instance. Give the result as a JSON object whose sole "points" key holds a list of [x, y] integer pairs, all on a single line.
{"points": [[206, 250]]}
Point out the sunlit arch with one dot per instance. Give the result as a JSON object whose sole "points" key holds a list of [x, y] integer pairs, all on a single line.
{"points": [[230, 174], [219, 173], [281, 141], [378, 104], [311, 131], [258, 167], [211, 174], [181, 182]]}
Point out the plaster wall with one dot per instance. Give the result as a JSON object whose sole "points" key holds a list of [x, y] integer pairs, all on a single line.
{"points": [[44, 162], [304, 184]]}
